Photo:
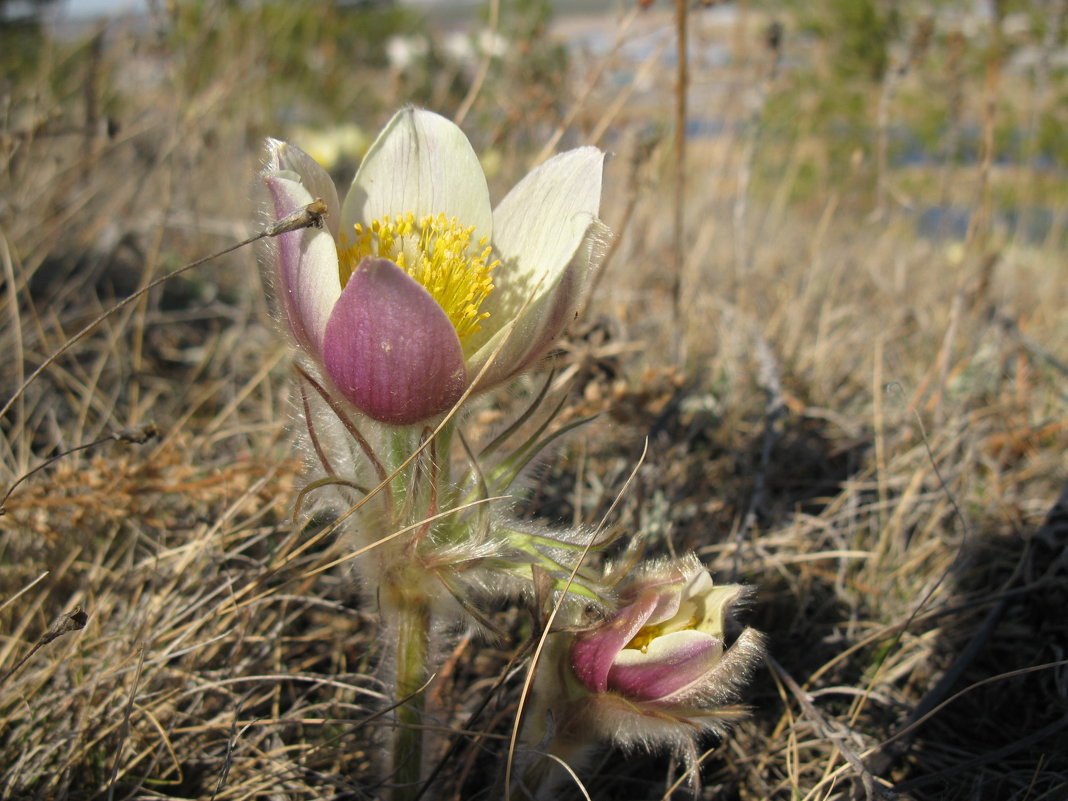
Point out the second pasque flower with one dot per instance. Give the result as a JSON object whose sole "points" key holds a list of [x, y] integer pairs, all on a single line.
{"points": [[659, 669]]}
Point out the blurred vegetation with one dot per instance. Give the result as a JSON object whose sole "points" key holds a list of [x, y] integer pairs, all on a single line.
{"points": [[857, 34], [305, 59], [922, 75]]}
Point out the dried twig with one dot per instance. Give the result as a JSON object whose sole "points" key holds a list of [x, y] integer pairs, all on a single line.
{"points": [[137, 435], [311, 216], [73, 620], [832, 730]]}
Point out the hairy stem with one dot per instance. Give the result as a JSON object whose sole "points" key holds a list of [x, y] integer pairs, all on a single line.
{"points": [[413, 626]]}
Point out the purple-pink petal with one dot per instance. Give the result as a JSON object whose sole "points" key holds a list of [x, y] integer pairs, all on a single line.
{"points": [[306, 263], [593, 652], [673, 662], [390, 349]]}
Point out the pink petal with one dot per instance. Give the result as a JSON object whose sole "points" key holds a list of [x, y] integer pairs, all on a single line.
{"points": [[671, 662], [594, 651], [284, 157], [306, 266], [390, 349], [719, 685]]}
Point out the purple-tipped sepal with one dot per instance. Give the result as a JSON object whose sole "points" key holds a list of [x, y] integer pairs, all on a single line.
{"points": [[390, 350]]}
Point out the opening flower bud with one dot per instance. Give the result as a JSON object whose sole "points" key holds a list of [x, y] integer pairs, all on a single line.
{"points": [[659, 669]]}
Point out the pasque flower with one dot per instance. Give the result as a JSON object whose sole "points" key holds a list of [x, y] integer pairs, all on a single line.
{"points": [[659, 667], [415, 283], [656, 672]]}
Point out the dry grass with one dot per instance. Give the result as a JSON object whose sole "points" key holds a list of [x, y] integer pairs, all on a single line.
{"points": [[867, 425]]}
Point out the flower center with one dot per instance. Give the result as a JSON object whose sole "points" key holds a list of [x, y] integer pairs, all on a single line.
{"points": [[436, 251], [647, 634]]}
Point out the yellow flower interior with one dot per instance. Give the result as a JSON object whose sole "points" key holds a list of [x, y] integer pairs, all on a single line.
{"points": [[647, 634], [436, 251]]}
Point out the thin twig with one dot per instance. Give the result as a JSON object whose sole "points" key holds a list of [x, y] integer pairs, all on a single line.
{"points": [[137, 435], [483, 66], [890, 752], [310, 216], [73, 620], [769, 379], [833, 731], [583, 95], [124, 729]]}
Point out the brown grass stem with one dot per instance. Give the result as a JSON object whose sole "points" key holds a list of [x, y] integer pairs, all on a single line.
{"points": [[682, 80], [308, 217], [483, 66]]}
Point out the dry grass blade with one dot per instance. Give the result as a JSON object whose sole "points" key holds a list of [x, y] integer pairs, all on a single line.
{"points": [[138, 435], [548, 625], [311, 216], [832, 732]]}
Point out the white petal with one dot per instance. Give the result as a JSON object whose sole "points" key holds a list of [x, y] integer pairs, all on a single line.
{"points": [[540, 323], [538, 227], [421, 163], [672, 649], [284, 157], [691, 606], [716, 604]]}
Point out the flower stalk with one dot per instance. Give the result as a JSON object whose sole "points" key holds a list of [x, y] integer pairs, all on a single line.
{"points": [[413, 632]]}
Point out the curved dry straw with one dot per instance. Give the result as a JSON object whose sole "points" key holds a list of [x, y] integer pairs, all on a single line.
{"points": [[310, 216]]}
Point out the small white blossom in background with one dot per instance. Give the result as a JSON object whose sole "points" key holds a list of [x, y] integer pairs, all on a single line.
{"points": [[466, 50], [333, 146], [405, 52]]}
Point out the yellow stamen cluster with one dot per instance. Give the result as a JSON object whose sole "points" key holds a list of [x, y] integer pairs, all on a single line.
{"points": [[436, 251], [647, 634]]}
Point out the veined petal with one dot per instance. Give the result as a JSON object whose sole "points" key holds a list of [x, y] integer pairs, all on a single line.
{"points": [[306, 262], [539, 226], [390, 349], [421, 163], [593, 652], [669, 664], [282, 156], [545, 231], [527, 338]]}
